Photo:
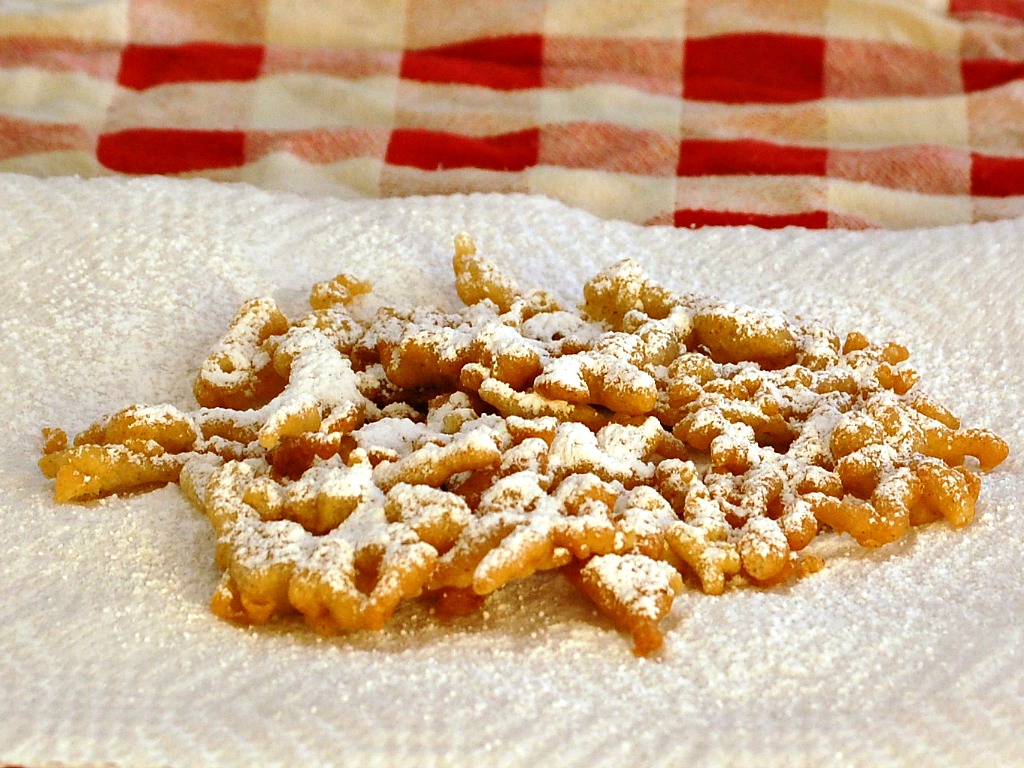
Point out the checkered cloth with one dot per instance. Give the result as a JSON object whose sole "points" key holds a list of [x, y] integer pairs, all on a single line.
{"points": [[820, 113]]}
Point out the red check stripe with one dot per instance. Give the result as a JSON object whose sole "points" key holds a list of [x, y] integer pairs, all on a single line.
{"points": [[146, 66], [996, 176], [156, 150], [701, 157], [693, 219], [1011, 9], [502, 63], [754, 67], [980, 74], [436, 150]]}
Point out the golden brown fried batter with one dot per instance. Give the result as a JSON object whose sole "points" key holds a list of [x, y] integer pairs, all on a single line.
{"points": [[358, 457]]}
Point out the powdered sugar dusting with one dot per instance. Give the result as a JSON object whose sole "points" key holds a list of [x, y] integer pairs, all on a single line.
{"points": [[107, 604]]}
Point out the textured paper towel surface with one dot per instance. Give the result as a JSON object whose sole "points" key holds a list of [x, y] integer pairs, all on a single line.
{"points": [[111, 293]]}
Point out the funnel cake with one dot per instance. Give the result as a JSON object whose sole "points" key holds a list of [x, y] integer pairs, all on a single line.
{"points": [[363, 455]]}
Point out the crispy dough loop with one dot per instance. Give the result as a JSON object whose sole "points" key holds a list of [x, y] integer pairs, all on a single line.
{"points": [[91, 471], [238, 373], [733, 335], [635, 592], [341, 289], [165, 425]]}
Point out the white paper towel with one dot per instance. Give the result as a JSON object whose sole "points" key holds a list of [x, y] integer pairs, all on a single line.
{"points": [[111, 292]]}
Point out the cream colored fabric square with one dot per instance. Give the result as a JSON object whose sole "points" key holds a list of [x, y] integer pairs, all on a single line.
{"points": [[336, 23], [660, 19], [301, 101], [102, 21], [896, 209], [877, 122], [613, 196], [894, 22]]}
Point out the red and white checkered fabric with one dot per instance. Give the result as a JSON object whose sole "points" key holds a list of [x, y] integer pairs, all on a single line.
{"points": [[820, 113]]}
